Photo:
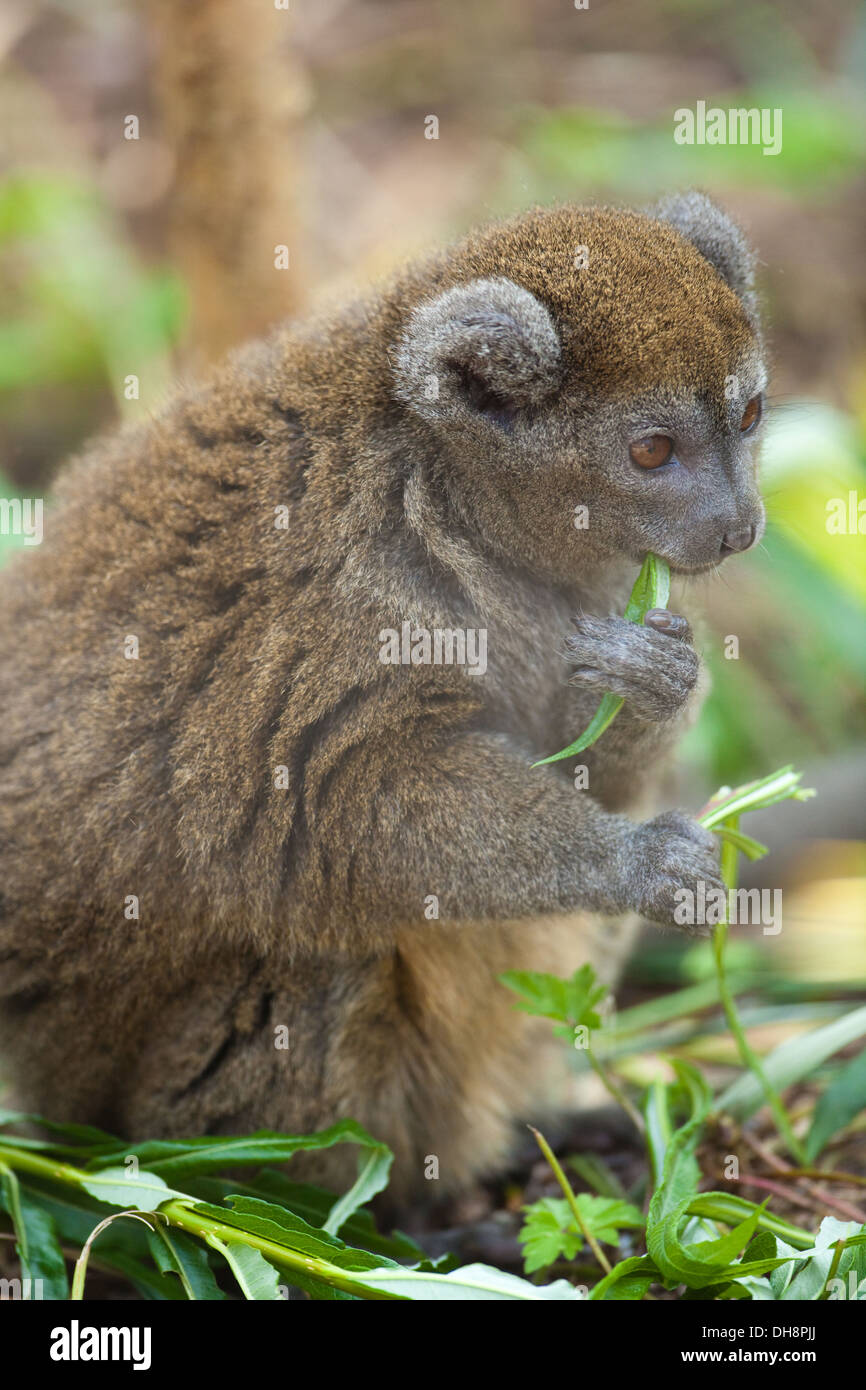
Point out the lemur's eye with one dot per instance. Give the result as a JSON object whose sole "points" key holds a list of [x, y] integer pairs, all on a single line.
{"points": [[751, 415], [651, 452]]}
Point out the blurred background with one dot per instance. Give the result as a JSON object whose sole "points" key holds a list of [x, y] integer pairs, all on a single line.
{"points": [[155, 153]]}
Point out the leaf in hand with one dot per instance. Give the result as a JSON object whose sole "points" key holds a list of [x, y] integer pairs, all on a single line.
{"points": [[651, 590]]}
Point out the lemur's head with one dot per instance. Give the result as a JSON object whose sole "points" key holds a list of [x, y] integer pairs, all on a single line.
{"points": [[601, 359]]}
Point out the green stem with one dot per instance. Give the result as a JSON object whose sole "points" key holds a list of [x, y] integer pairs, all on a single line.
{"points": [[185, 1219], [80, 1272], [572, 1200], [729, 856], [723, 1206], [177, 1213], [618, 1095], [27, 1161], [831, 1273]]}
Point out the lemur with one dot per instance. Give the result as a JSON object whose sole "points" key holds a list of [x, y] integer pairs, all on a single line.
{"points": [[223, 816]]}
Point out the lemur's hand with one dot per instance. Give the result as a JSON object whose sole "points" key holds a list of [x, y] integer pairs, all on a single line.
{"points": [[668, 857], [653, 667]]}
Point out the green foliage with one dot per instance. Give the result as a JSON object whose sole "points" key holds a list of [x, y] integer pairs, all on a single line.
{"points": [[684, 1248], [35, 1237], [122, 1188], [793, 1060], [712, 1244], [165, 1238], [256, 1278], [842, 1102], [580, 147], [472, 1283], [550, 1231], [783, 785], [695, 1263], [570, 1003], [78, 305], [176, 1254]]}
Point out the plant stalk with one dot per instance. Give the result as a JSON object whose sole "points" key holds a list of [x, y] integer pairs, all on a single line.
{"points": [[618, 1095], [729, 857], [177, 1213], [571, 1199]]}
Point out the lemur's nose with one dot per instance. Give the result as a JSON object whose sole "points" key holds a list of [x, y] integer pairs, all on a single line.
{"points": [[733, 541]]}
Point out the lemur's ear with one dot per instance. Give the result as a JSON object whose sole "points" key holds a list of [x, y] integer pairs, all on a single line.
{"points": [[717, 237], [486, 348]]}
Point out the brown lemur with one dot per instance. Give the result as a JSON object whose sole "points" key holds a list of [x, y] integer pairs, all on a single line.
{"points": [[199, 727]]}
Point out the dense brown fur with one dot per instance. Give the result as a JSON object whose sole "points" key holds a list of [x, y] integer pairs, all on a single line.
{"points": [[304, 906]]}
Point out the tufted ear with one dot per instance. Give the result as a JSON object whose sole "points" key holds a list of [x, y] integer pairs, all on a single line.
{"points": [[486, 348], [717, 237]]}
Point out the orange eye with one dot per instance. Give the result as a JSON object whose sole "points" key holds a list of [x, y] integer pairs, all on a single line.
{"points": [[651, 452], [751, 415]]}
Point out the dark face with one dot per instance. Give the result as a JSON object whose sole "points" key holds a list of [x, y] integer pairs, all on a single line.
{"points": [[582, 418], [678, 471]]}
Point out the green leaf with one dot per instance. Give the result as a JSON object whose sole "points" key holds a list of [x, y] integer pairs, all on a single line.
{"points": [[651, 590], [783, 785], [258, 1280], [607, 711], [471, 1283], [121, 1188], [597, 1174], [842, 1101], [628, 1281], [550, 1231], [81, 1134], [374, 1165], [174, 1253], [571, 1002], [753, 849], [312, 1204], [790, 1062], [707, 1262], [172, 1159], [762, 1247], [805, 1276], [286, 1228], [75, 1213], [727, 1207], [147, 1281], [548, 1234], [36, 1241], [658, 1128], [680, 1173], [606, 1217]]}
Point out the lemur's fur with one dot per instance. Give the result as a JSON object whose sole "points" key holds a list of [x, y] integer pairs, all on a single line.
{"points": [[431, 443]]}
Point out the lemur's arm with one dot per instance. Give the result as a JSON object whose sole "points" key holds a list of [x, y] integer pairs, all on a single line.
{"points": [[469, 822]]}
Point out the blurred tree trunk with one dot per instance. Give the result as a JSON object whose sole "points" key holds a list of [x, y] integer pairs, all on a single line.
{"points": [[231, 99]]}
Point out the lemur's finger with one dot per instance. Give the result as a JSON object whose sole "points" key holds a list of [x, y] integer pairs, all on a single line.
{"points": [[671, 624]]}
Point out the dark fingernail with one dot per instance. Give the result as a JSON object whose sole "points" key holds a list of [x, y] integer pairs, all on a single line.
{"points": [[661, 620]]}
